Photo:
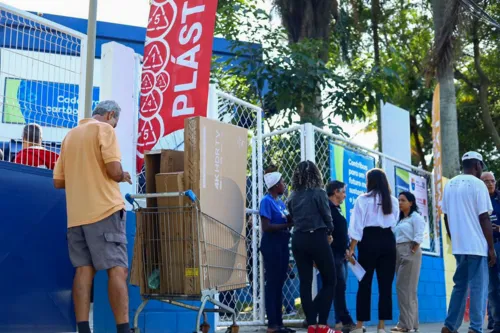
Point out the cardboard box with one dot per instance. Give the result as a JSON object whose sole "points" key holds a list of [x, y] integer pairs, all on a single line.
{"points": [[205, 249], [160, 161], [170, 182], [215, 167], [171, 161]]}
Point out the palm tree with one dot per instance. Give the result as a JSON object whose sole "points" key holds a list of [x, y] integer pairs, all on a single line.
{"points": [[309, 20], [446, 17]]}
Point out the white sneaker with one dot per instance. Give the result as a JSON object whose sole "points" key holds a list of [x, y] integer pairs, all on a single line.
{"points": [[380, 330]]}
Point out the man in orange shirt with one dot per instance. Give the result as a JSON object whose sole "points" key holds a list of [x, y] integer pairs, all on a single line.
{"points": [[90, 170]]}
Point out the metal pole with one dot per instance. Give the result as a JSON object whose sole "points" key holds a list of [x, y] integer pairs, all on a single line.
{"points": [[89, 75]]}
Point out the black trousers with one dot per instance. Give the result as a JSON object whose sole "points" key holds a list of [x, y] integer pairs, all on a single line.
{"points": [[309, 248], [276, 255], [376, 253]]}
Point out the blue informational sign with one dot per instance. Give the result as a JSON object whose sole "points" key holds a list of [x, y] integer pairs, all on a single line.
{"points": [[50, 104], [350, 167]]}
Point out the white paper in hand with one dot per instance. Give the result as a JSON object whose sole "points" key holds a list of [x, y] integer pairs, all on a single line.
{"points": [[357, 269]]}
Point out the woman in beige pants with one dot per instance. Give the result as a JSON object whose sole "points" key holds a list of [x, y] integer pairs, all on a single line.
{"points": [[409, 232]]}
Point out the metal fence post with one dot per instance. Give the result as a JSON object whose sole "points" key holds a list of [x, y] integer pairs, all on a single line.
{"points": [[309, 142], [213, 103], [255, 235], [310, 155], [260, 173]]}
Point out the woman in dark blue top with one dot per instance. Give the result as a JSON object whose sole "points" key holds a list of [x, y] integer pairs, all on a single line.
{"points": [[276, 223]]}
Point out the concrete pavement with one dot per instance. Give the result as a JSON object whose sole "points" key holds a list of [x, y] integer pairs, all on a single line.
{"points": [[424, 328]]}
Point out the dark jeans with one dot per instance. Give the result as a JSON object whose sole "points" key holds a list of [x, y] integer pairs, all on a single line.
{"points": [[309, 248], [274, 248], [341, 313], [494, 293], [377, 253]]}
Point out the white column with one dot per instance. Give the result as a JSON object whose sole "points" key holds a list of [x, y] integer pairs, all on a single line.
{"points": [[310, 155], [118, 83], [395, 139], [213, 102]]}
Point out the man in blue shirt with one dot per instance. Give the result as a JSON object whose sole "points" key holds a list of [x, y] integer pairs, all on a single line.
{"points": [[494, 286]]}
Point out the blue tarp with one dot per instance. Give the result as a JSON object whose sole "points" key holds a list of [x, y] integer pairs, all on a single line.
{"points": [[36, 273]]}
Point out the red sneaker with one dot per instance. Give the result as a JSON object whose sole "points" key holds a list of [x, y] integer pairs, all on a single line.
{"points": [[312, 329], [324, 329]]}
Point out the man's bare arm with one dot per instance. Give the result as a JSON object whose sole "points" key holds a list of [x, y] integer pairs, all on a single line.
{"points": [[59, 184], [485, 222], [115, 171], [446, 225]]}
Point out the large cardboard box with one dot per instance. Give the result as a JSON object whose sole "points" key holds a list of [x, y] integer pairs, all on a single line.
{"points": [[215, 167], [205, 249]]}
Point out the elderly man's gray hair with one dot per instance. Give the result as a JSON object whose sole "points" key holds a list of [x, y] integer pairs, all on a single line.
{"points": [[105, 107]]}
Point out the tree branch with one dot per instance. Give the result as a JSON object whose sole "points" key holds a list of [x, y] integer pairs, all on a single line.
{"points": [[483, 87], [461, 76]]}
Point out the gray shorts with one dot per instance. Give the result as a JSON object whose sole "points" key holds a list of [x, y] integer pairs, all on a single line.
{"points": [[102, 245]]}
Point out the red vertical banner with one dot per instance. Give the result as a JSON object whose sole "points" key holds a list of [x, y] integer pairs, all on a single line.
{"points": [[176, 68]]}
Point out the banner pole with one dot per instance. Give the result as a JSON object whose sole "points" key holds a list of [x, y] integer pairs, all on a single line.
{"points": [[89, 75]]}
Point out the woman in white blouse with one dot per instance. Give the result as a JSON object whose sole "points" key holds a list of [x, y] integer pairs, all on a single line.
{"points": [[409, 232], [374, 215]]}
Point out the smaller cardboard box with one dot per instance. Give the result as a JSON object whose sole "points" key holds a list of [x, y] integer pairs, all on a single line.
{"points": [[169, 183], [171, 233], [160, 161], [171, 161]]}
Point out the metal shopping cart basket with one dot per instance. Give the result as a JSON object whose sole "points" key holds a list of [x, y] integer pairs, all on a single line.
{"points": [[181, 255]]}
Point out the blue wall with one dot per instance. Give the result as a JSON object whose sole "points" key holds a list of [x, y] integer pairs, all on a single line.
{"points": [[36, 273], [431, 294]]}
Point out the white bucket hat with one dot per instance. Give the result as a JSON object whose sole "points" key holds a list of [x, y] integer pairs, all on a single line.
{"points": [[272, 179]]}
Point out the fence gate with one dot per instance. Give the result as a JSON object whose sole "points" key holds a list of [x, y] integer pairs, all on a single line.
{"points": [[247, 302]]}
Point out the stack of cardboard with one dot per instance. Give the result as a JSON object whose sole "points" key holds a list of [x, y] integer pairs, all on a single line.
{"points": [[187, 250]]}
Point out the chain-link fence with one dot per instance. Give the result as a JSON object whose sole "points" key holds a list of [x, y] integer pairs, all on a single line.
{"points": [[285, 150], [42, 76], [401, 176], [339, 159]]}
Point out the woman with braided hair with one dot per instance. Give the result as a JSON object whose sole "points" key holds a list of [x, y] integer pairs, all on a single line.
{"points": [[311, 216]]}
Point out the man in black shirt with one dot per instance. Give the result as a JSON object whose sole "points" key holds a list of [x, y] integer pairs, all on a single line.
{"points": [[336, 194]]}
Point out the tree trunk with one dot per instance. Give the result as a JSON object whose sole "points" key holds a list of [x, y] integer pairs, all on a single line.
{"points": [[418, 144], [376, 51], [484, 84], [448, 106]]}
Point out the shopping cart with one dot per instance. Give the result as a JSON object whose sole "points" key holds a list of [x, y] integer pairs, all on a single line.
{"points": [[183, 255]]}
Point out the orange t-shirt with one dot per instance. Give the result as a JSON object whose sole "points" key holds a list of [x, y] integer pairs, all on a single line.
{"points": [[90, 194]]}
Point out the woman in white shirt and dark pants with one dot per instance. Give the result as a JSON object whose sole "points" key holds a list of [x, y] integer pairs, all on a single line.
{"points": [[374, 215], [409, 232]]}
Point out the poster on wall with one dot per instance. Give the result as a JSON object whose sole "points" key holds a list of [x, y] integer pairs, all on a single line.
{"points": [[50, 104], [407, 181], [176, 68], [350, 167]]}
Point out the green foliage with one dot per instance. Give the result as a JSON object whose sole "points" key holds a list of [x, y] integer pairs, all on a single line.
{"points": [[230, 15], [285, 78]]}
